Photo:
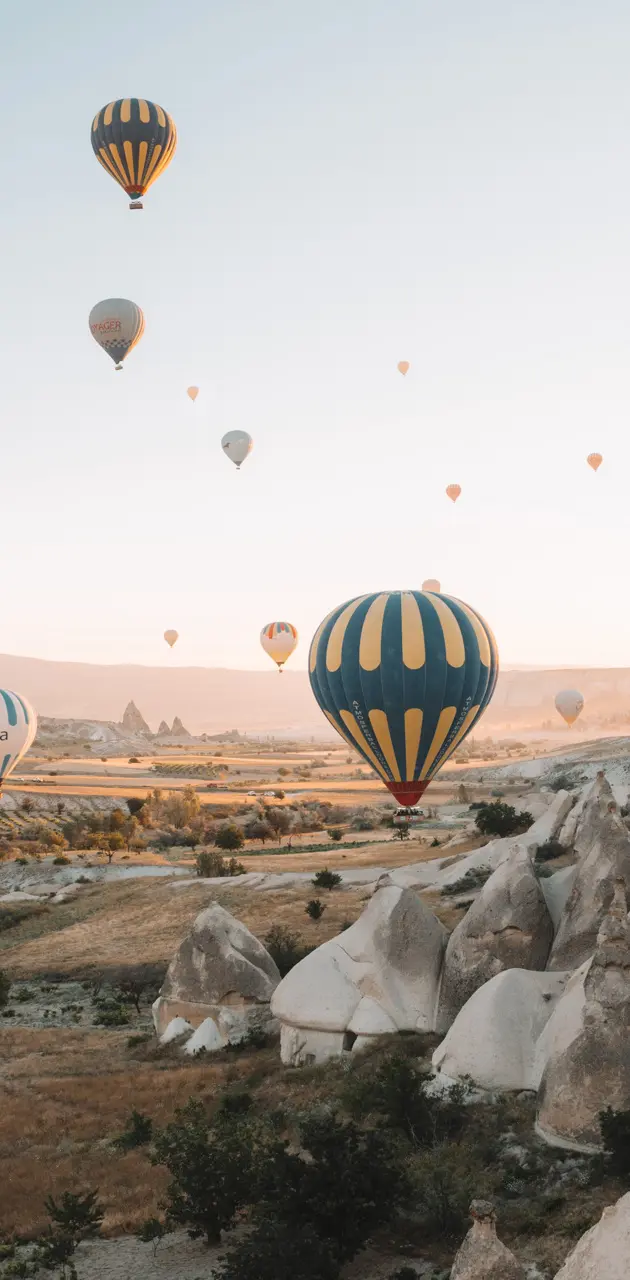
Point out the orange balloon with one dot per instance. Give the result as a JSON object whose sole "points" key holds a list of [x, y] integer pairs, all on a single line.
{"points": [[431, 584], [403, 366], [453, 491], [193, 392], [594, 460]]}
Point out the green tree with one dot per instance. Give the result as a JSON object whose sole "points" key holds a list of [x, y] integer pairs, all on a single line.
{"points": [[5, 988], [326, 879], [285, 947], [208, 863], [315, 909], [336, 834], [501, 819], [229, 838], [279, 1251]]}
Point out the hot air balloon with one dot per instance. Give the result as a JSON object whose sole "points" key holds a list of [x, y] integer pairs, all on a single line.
{"points": [[279, 639], [594, 460], [569, 704], [453, 491], [18, 726], [431, 584], [134, 140], [171, 637], [403, 367], [403, 676], [192, 393], [117, 325], [237, 445]]}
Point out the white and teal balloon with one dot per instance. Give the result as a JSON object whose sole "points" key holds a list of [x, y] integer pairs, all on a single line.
{"points": [[18, 726]]}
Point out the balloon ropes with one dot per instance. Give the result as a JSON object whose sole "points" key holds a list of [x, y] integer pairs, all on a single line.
{"points": [[403, 676]]}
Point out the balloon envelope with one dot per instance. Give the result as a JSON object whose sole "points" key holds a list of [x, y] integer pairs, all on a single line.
{"points": [[431, 584], [403, 366], [403, 676], [18, 726], [193, 392], [279, 639], [237, 445], [171, 637], [117, 325], [594, 460], [569, 704], [134, 140], [453, 491]]}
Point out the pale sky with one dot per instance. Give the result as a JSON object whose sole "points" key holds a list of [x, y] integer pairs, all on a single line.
{"points": [[356, 182]]}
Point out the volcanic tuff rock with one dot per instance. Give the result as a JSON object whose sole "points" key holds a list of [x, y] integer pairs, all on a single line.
{"points": [[602, 843], [178, 730], [163, 728], [603, 1252], [133, 721], [380, 976], [507, 927], [592, 1070], [482, 1256], [221, 971]]}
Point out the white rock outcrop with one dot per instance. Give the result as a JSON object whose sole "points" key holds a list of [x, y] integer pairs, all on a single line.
{"points": [[174, 1029], [380, 976], [494, 1038], [482, 1256], [221, 972], [603, 1253], [592, 1070], [507, 927], [602, 843]]}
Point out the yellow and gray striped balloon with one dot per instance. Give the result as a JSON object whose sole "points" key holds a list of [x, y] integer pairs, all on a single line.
{"points": [[403, 676]]}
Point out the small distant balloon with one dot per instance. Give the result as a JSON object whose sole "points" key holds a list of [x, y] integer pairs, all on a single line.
{"points": [[279, 639], [453, 491], [569, 704], [171, 637], [18, 726], [431, 584], [192, 393], [403, 367], [237, 445], [117, 325], [595, 460]]}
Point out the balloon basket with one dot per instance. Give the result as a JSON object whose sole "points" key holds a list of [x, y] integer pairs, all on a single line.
{"points": [[118, 368], [136, 204]]}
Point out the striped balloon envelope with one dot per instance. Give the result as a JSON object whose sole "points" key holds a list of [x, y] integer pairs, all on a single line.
{"points": [[279, 639], [18, 726], [403, 676], [134, 140]]}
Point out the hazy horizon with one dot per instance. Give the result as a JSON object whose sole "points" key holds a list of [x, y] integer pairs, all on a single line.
{"points": [[354, 185]]}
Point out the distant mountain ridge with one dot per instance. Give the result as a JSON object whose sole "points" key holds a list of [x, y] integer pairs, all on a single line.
{"points": [[208, 699]]}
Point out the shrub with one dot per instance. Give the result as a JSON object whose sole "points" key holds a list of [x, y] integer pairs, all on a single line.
{"points": [[402, 832], [229, 837], [76, 1216], [398, 1093], [5, 988], [326, 879], [138, 1132], [285, 947], [550, 849], [133, 760], [315, 909], [135, 804], [208, 863], [474, 878], [279, 1251], [152, 1232], [615, 1131], [561, 782], [445, 1182], [61, 860], [500, 819], [336, 834]]}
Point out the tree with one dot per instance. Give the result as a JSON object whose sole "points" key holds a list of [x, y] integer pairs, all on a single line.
{"points": [[315, 909], [326, 879], [279, 821], [208, 863], [180, 807], [229, 838], [285, 947], [258, 829], [76, 1216], [615, 1131], [137, 1132], [117, 820], [501, 819], [336, 834], [215, 1168], [279, 1251], [402, 832], [135, 804]]}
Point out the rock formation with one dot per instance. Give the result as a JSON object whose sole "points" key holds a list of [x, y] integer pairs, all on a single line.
{"points": [[591, 1070], [134, 722], [507, 927], [221, 972], [602, 843], [494, 1038], [482, 1256], [163, 729], [178, 730], [380, 976], [603, 1252]]}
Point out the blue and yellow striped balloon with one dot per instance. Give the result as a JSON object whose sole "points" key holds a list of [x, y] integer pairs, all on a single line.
{"points": [[18, 726], [403, 676]]}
